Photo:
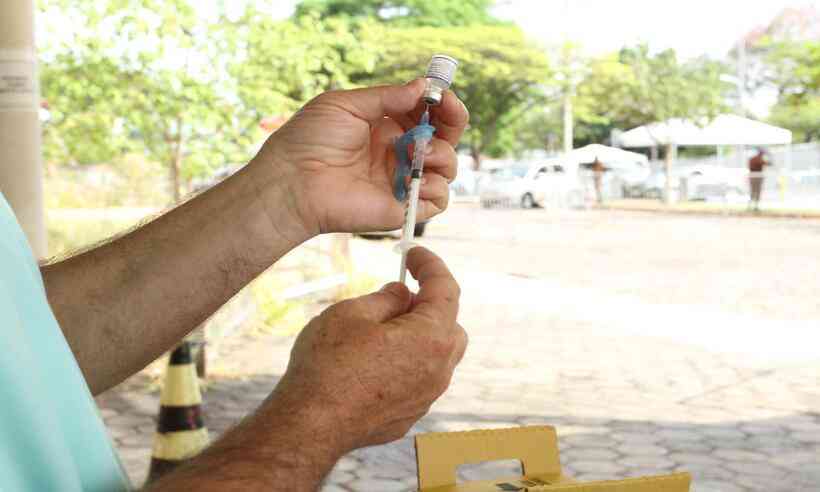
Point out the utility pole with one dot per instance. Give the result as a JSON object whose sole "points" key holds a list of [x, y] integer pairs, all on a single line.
{"points": [[568, 124], [741, 90], [568, 82]]}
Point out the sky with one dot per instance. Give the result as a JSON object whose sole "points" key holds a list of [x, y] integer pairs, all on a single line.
{"points": [[691, 27]]}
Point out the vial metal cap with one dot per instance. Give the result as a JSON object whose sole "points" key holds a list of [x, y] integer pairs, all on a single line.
{"points": [[440, 74]]}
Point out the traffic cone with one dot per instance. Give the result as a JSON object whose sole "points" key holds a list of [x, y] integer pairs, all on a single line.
{"points": [[181, 431]]}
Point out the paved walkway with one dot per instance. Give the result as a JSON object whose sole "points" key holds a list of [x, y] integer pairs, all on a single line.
{"points": [[635, 385]]}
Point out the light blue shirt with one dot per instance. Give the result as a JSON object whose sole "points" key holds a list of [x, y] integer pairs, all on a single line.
{"points": [[51, 435]]}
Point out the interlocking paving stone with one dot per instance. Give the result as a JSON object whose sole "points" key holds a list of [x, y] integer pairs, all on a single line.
{"points": [[549, 350], [739, 455], [597, 466], [585, 454], [641, 449], [643, 461], [376, 485], [716, 486]]}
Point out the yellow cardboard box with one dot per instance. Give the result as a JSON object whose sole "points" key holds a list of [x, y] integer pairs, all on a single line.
{"points": [[439, 454]]}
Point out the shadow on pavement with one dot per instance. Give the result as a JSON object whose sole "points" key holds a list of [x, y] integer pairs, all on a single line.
{"points": [[773, 454]]}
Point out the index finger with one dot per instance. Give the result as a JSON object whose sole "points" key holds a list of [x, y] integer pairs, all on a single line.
{"points": [[450, 118], [438, 290]]}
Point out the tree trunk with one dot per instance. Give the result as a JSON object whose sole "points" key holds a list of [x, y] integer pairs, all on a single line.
{"points": [[176, 166], [475, 152], [670, 149], [568, 122]]}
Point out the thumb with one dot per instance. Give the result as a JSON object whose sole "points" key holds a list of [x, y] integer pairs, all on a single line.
{"points": [[394, 299], [374, 103]]}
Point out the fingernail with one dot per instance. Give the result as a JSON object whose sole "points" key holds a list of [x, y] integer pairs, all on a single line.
{"points": [[429, 149], [423, 180]]}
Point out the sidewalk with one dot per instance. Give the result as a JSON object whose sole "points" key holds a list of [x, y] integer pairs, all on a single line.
{"points": [[772, 210], [624, 405], [645, 340]]}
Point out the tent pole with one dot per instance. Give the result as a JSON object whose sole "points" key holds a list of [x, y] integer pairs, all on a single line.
{"points": [[21, 172], [671, 150]]}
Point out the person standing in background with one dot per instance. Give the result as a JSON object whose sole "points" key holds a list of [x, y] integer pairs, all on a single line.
{"points": [[598, 169], [756, 166]]}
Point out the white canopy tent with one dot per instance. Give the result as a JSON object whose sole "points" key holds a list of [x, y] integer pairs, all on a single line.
{"points": [[613, 157], [724, 130], [727, 129]]}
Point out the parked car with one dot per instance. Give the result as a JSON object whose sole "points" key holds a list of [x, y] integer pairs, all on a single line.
{"points": [[706, 182], [633, 182], [516, 185], [700, 182]]}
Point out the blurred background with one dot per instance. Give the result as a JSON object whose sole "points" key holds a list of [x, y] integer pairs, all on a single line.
{"points": [[619, 282]]}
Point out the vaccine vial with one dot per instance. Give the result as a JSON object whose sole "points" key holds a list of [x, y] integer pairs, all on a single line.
{"points": [[440, 74]]}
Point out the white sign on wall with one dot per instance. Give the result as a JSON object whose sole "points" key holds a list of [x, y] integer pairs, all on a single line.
{"points": [[19, 89]]}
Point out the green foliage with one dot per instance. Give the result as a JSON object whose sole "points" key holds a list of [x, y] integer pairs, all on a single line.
{"points": [[139, 77], [187, 89], [623, 90], [664, 88], [501, 74], [69, 233], [275, 314], [796, 74], [432, 13], [289, 62]]}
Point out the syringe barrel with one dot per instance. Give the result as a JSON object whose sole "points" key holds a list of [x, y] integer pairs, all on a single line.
{"points": [[419, 151]]}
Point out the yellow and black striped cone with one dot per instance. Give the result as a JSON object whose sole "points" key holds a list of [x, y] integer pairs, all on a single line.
{"points": [[181, 431]]}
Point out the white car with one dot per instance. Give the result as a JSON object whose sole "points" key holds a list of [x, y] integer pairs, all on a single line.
{"points": [[511, 186], [706, 182], [528, 185], [699, 182]]}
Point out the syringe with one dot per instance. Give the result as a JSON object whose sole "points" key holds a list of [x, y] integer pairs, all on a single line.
{"points": [[419, 151], [439, 76]]}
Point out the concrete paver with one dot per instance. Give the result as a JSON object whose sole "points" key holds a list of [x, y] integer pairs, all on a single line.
{"points": [[653, 344]]}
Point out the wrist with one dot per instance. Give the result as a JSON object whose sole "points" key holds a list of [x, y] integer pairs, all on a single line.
{"points": [[314, 436], [278, 189]]}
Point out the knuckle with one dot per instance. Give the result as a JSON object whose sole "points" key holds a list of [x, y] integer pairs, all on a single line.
{"points": [[337, 312], [442, 346], [465, 337], [454, 293], [399, 430], [440, 384], [326, 96]]}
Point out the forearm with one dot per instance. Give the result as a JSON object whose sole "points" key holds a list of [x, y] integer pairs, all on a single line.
{"points": [[282, 447], [123, 304]]}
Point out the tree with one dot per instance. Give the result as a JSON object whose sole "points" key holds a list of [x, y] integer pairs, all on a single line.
{"points": [[288, 62], [501, 74], [665, 89], [432, 13], [796, 75], [139, 77]]}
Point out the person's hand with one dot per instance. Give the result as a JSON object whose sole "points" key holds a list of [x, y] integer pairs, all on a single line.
{"points": [[370, 367], [338, 150]]}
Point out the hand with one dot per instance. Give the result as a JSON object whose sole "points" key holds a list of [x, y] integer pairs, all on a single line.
{"points": [[370, 367], [339, 151]]}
